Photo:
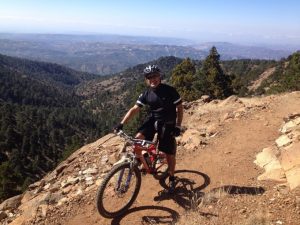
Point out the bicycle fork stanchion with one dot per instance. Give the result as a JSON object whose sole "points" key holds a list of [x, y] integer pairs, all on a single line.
{"points": [[128, 180], [120, 179], [131, 168]]}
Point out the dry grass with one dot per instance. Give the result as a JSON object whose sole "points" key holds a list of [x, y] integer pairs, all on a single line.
{"points": [[214, 196], [198, 214], [257, 220], [195, 216], [191, 218]]}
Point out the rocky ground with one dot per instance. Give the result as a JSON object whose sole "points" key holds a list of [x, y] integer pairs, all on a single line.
{"points": [[237, 163]]}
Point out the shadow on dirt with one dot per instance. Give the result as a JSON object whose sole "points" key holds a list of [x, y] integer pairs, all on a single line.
{"points": [[189, 184], [170, 216], [239, 190]]}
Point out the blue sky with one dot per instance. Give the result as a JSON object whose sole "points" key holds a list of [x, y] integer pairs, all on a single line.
{"points": [[253, 21]]}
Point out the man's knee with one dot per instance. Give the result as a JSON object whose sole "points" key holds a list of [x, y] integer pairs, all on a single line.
{"points": [[139, 136]]}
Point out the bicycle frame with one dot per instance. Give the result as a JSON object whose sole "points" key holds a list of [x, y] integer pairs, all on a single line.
{"points": [[137, 145], [140, 145]]}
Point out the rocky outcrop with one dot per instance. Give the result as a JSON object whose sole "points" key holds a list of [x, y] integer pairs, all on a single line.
{"points": [[11, 203], [281, 162], [67, 184], [201, 126]]}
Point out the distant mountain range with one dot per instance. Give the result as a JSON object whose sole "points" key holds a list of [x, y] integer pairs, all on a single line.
{"points": [[109, 54], [235, 51]]}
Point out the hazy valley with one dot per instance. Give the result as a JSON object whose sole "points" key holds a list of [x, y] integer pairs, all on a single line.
{"points": [[109, 54]]}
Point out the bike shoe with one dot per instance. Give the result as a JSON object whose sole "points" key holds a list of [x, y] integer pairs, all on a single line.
{"points": [[172, 185]]}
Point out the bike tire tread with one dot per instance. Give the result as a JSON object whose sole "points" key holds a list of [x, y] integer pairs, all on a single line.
{"points": [[101, 209]]}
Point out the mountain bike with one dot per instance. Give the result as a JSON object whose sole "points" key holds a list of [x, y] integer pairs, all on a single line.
{"points": [[120, 187]]}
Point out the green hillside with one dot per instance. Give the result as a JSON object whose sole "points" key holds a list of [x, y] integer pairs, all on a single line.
{"points": [[41, 120]]}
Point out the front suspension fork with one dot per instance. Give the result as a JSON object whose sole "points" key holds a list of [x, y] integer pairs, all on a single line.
{"points": [[128, 179]]}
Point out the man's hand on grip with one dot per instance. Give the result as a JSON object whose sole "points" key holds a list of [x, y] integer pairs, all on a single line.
{"points": [[177, 131], [118, 127]]}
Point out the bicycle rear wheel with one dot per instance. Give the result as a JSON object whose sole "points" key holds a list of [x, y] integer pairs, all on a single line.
{"points": [[118, 190]]}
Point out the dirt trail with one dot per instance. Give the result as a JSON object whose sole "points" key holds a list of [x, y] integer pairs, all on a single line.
{"points": [[226, 161]]}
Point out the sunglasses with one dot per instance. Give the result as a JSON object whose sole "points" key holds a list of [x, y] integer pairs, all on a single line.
{"points": [[152, 76]]}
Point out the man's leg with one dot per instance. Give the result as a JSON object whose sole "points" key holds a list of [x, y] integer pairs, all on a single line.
{"points": [[167, 144], [139, 153], [139, 135], [171, 159]]}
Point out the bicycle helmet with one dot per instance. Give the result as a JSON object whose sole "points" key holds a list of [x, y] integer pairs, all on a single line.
{"points": [[151, 69]]}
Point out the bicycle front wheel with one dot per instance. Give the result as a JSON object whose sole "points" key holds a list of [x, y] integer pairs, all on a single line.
{"points": [[118, 190]]}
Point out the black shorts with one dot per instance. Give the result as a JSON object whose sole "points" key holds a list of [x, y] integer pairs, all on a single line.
{"points": [[166, 139]]}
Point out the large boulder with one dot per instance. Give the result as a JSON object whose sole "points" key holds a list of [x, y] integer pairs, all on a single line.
{"points": [[290, 161], [11, 203], [267, 159], [192, 139], [282, 162]]}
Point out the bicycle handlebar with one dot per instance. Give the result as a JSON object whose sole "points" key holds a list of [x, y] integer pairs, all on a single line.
{"points": [[142, 142]]}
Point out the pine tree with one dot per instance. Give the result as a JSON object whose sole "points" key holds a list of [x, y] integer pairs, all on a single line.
{"points": [[183, 78], [291, 78], [218, 84]]}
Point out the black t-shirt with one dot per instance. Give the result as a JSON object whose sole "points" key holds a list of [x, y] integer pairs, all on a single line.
{"points": [[162, 101]]}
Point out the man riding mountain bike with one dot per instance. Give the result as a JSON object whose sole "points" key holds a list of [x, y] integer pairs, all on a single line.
{"points": [[166, 112]]}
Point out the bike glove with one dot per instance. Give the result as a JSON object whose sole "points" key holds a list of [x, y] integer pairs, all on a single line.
{"points": [[176, 131], [118, 127]]}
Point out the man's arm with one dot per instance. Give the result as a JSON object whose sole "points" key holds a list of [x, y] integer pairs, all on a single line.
{"points": [[131, 112], [179, 109]]}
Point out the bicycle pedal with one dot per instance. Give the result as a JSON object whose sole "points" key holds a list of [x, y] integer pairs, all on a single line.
{"points": [[153, 172], [143, 171]]}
